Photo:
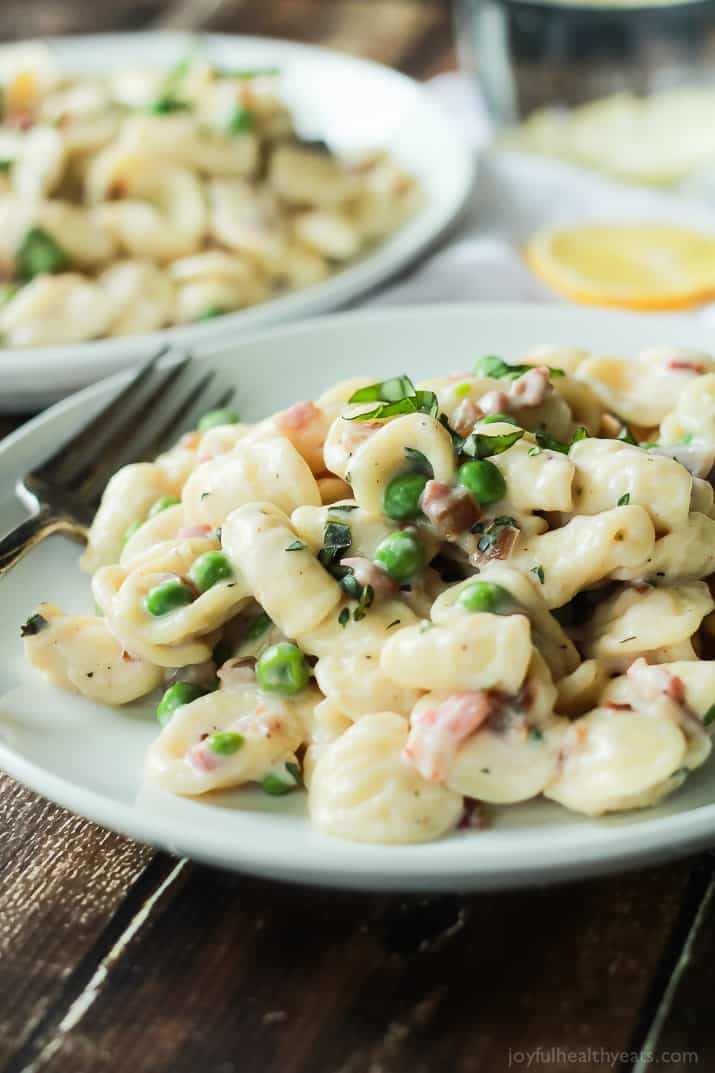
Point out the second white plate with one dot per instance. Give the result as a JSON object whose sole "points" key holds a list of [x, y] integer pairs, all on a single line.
{"points": [[354, 105]]}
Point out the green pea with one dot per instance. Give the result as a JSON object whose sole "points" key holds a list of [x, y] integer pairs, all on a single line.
{"points": [[401, 500], [176, 695], [217, 417], [276, 785], [491, 419], [484, 596], [401, 554], [162, 504], [258, 627], [483, 479], [225, 742], [282, 669], [130, 531], [39, 253], [168, 596], [209, 569]]}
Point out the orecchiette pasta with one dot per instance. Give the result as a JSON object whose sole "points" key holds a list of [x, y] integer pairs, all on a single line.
{"points": [[146, 198], [408, 600]]}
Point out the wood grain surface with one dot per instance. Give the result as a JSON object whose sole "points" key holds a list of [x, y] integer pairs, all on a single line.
{"points": [[114, 958]]}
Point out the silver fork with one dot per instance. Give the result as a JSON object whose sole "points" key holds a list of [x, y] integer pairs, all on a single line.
{"points": [[64, 491]]}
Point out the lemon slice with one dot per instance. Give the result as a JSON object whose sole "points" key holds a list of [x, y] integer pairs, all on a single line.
{"points": [[643, 266]]}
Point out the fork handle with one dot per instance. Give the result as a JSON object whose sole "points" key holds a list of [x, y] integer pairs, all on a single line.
{"points": [[34, 529]]}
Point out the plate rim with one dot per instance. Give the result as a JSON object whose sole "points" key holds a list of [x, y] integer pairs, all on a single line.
{"points": [[565, 854], [396, 253]]}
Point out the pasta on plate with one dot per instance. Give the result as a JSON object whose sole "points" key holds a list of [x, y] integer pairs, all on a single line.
{"points": [[412, 599], [148, 198]]}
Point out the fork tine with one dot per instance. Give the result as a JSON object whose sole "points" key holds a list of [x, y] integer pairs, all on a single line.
{"points": [[122, 438], [181, 418], [82, 443]]}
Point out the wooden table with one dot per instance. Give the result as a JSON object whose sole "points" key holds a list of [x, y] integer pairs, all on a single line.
{"points": [[114, 957]]}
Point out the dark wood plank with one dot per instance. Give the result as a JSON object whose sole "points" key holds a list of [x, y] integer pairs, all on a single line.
{"points": [[40, 18], [391, 31], [678, 1035], [61, 880], [240, 974]]}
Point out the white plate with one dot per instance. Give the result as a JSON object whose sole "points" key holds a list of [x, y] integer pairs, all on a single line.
{"points": [[354, 104], [89, 758]]}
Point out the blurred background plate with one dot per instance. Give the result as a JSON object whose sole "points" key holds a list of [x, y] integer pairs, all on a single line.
{"points": [[89, 757], [353, 104]]}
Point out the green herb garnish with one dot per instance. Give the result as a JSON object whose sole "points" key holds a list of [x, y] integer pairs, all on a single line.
{"points": [[419, 461], [35, 624], [478, 445], [624, 500], [241, 122], [493, 367], [297, 545], [397, 395], [539, 571], [39, 253], [550, 443]]}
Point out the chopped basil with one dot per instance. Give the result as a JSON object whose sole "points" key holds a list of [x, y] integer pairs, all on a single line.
{"points": [[535, 734], [5, 166], [395, 622], [350, 585], [35, 624], [366, 599], [624, 500], [420, 462], [241, 122], [167, 105], [396, 396], [626, 639], [539, 571], [490, 531], [39, 253], [478, 445], [493, 367], [626, 436], [337, 538], [533, 451], [393, 390], [709, 716], [344, 617], [297, 545], [550, 443], [344, 507], [211, 312]]}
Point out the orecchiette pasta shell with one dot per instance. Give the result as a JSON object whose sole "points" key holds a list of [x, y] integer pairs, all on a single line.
{"points": [[630, 623], [126, 499], [78, 653], [380, 457], [615, 760], [269, 470], [362, 790], [481, 651], [269, 727], [548, 637], [291, 585], [586, 550], [609, 469]]}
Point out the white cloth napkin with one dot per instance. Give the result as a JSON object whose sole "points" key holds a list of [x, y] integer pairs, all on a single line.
{"points": [[516, 194]]}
